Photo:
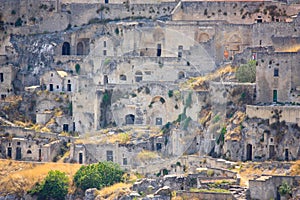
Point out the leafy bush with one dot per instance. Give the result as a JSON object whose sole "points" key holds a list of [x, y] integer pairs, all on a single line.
{"points": [[54, 186], [98, 175], [285, 189], [247, 72]]}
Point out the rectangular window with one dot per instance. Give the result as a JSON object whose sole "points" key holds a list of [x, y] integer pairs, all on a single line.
{"points": [[180, 49], [124, 161], [104, 43], [1, 77], [276, 72], [104, 52], [65, 127], [109, 156], [158, 121]]}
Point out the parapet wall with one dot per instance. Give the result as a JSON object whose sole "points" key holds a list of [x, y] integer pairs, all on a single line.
{"points": [[288, 113], [204, 195]]}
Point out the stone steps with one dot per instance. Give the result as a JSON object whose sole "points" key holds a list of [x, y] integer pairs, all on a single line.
{"points": [[239, 193]]}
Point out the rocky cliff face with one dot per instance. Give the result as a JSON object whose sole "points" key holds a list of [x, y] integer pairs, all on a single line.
{"points": [[34, 55]]}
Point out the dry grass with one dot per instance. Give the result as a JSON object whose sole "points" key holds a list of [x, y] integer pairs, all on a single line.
{"points": [[295, 169], [250, 170], [19, 177], [121, 138], [147, 155], [201, 83], [294, 48], [114, 191]]}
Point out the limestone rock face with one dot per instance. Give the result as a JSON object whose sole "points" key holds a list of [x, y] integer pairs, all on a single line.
{"points": [[90, 194], [164, 191]]}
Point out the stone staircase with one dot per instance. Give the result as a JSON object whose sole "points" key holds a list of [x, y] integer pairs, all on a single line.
{"points": [[7, 122], [239, 193]]}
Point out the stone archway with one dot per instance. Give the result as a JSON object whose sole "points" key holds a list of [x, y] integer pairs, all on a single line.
{"points": [[201, 37], [80, 48], [66, 49], [129, 119], [181, 75]]}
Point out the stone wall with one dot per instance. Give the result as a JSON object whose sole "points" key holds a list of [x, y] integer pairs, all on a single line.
{"points": [[29, 148], [277, 77], [288, 114], [204, 195], [233, 12], [7, 76], [266, 187]]}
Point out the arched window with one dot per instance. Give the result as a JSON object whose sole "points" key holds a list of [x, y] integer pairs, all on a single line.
{"points": [[29, 152], [123, 77], [66, 48], [80, 48]]}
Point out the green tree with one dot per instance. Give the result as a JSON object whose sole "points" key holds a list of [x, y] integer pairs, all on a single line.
{"points": [[247, 72], [54, 186], [98, 175]]}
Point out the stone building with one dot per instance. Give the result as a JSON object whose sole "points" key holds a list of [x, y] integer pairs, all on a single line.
{"points": [[267, 187], [19, 144], [277, 77], [7, 76], [58, 81]]}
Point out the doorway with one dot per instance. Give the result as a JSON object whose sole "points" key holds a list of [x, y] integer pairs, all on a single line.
{"points": [[9, 150], [80, 158], [158, 53], [286, 154], [18, 153], [129, 119], [271, 151], [249, 152]]}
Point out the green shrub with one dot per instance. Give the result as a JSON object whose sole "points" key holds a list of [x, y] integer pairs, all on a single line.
{"points": [[98, 175], [210, 173], [54, 186], [247, 72], [19, 22], [285, 189]]}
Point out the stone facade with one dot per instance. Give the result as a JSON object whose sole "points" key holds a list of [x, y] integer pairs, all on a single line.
{"points": [[58, 81], [27, 146], [7, 76], [267, 186], [277, 77]]}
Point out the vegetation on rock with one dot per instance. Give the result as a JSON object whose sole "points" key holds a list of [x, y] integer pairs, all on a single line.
{"points": [[247, 73], [54, 186], [98, 175]]}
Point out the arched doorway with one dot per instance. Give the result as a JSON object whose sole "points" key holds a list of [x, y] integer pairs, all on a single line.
{"points": [[181, 75], [66, 48], [129, 119], [80, 48]]}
